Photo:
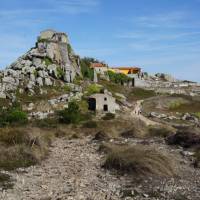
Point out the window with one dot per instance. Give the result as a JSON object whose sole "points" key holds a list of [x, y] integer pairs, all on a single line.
{"points": [[105, 99]]}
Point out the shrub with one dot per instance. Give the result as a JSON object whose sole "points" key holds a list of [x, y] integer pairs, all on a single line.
{"points": [[138, 160], [93, 88], [60, 73], [108, 116], [48, 61], [70, 114], [69, 48], [13, 115], [46, 123], [85, 67], [159, 132], [197, 115], [175, 105], [90, 124], [139, 93], [118, 78], [17, 116]]}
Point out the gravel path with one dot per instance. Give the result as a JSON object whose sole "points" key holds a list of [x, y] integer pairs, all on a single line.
{"points": [[72, 172], [136, 113]]}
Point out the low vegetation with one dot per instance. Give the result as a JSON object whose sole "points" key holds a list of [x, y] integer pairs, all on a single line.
{"points": [[190, 107], [73, 114], [90, 124], [118, 78], [93, 89], [48, 61], [60, 73], [108, 116], [87, 72], [139, 161], [139, 94], [21, 147], [13, 115], [159, 132]]}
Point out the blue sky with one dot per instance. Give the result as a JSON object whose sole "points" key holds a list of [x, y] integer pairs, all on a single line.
{"points": [[158, 35]]}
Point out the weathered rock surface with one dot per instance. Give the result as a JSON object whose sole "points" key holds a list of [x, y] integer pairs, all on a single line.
{"points": [[51, 58]]}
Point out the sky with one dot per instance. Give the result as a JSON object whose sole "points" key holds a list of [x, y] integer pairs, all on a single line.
{"points": [[156, 35]]}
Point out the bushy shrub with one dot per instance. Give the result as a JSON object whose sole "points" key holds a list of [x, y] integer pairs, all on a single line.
{"points": [[118, 77], [85, 68], [60, 72], [159, 132], [48, 61], [70, 114], [109, 116], [13, 115], [93, 88]]}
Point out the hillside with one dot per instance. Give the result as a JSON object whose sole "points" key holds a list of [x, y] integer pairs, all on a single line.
{"points": [[74, 132]]}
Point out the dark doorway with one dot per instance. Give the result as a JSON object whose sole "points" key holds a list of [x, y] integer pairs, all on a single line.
{"points": [[92, 104], [133, 82], [105, 108]]}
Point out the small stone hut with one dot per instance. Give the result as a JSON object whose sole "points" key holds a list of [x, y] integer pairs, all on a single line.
{"points": [[103, 102]]}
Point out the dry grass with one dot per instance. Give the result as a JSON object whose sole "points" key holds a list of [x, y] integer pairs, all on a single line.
{"points": [[138, 160], [23, 147]]}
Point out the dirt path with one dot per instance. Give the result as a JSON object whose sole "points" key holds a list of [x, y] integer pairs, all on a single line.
{"points": [[72, 172], [136, 113]]}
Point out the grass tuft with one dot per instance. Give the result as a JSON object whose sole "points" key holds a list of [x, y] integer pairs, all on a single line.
{"points": [[138, 160]]}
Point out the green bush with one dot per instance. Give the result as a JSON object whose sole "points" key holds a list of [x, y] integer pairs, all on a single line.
{"points": [[118, 78], [60, 72], [48, 61], [85, 67], [70, 114], [13, 115], [93, 89], [69, 48], [17, 116]]}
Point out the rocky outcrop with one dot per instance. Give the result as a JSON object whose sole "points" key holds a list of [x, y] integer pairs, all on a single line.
{"points": [[52, 58]]}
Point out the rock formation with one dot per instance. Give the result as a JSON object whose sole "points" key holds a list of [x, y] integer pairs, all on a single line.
{"points": [[52, 58]]}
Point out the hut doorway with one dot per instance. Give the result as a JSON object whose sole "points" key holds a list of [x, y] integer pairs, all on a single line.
{"points": [[105, 108], [92, 104]]}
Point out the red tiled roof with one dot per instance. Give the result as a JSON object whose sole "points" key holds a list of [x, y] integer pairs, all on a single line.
{"points": [[93, 65]]}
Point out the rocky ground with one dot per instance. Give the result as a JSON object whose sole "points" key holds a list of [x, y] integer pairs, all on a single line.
{"points": [[72, 171]]}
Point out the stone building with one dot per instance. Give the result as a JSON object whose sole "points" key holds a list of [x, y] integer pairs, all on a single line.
{"points": [[100, 68], [103, 102]]}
